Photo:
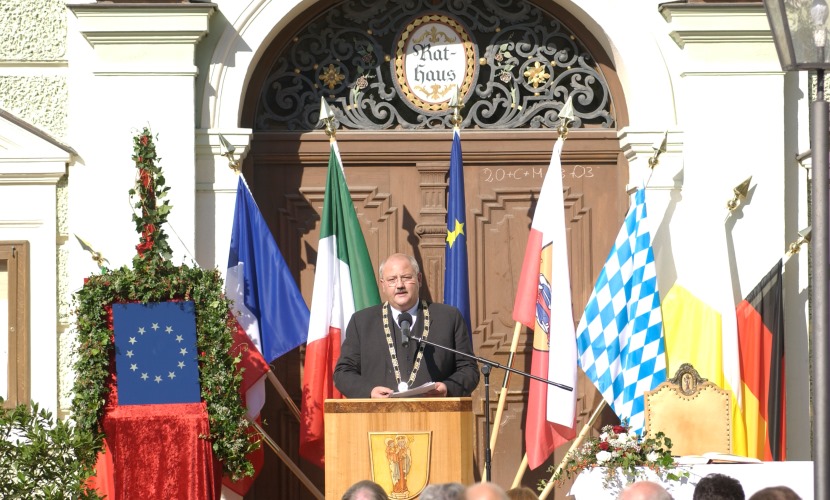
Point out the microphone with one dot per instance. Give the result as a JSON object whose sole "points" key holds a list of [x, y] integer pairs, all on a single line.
{"points": [[405, 320]]}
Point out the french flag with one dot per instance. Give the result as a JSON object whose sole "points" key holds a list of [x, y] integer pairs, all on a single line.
{"points": [[266, 301], [271, 309]]}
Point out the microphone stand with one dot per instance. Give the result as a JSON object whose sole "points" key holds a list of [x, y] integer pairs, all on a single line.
{"points": [[486, 366]]}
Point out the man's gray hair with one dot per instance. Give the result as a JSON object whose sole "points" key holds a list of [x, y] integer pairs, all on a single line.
{"points": [[485, 489], [641, 490], [445, 491], [412, 262], [365, 489]]}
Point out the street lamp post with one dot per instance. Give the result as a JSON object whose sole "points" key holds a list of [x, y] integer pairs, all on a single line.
{"points": [[799, 30]]}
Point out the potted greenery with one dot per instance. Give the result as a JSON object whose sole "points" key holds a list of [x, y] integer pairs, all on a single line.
{"points": [[40, 457]]}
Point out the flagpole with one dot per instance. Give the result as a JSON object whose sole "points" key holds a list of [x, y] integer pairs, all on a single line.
{"points": [[577, 442], [517, 481], [566, 115], [514, 345], [454, 288], [281, 389], [287, 461], [456, 104]]}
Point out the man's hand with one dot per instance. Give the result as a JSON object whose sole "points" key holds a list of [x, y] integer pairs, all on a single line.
{"points": [[440, 391], [384, 392]]}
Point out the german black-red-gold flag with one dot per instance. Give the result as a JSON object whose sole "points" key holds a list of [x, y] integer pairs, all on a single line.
{"points": [[761, 340]]}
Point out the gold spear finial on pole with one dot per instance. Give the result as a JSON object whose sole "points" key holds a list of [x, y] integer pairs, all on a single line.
{"points": [[659, 148], [97, 256], [740, 192], [566, 116], [227, 149], [456, 103], [327, 117], [804, 236]]}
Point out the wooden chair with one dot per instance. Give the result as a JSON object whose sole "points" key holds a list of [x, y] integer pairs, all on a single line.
{"points": [[693, 412]]}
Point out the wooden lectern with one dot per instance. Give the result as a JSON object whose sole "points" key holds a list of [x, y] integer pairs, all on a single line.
{"points": [[401, 444]]}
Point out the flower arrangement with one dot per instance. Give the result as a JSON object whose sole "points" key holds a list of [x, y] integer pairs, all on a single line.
{"points": [[620, 449]]}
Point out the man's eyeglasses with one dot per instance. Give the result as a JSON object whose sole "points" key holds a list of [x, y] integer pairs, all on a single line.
{"points": [[393, 280]]}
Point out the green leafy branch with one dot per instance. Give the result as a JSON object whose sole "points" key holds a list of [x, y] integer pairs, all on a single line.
{"points": [[39, 456]]}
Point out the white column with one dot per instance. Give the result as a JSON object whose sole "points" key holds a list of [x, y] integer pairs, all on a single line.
{"points": [[140, 72]]}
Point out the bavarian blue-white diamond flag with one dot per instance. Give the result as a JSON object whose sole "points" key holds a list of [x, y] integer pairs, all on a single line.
{"points": [[620, 335], [155, 353]]}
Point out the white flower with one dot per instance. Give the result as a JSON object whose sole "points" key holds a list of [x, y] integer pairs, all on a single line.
{"points": [[603, 456], [603, 436], [621, 441], [652, 456], [632, 434]]}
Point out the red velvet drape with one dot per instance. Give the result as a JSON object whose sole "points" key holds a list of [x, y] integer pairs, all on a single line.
{"points": [[155, 451]]}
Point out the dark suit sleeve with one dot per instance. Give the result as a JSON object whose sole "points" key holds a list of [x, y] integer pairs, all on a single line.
{"points": [[465, 378], [348, 376]]}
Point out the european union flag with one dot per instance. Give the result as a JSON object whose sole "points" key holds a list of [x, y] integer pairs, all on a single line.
{"points": [[456, 284], [155, 353]]}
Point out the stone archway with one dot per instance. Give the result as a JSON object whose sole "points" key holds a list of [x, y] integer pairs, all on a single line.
{"points": [[397, 179]]}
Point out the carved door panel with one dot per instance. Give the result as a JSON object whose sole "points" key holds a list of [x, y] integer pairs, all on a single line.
{"points": [[398, 185]]}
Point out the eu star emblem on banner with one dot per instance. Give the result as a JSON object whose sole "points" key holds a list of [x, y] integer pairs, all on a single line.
{"points": [[155, 353]]}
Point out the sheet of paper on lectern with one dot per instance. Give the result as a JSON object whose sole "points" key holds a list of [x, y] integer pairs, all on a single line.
{"points": [[156, 361], [415, 391]]}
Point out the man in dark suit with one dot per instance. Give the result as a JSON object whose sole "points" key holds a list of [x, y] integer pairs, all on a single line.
{"points": [[376, 360]]}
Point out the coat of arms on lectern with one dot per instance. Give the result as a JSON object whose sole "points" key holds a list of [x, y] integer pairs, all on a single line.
{"points": [[400, 462]]}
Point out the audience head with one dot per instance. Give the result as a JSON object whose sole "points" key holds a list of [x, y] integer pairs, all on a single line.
{"points": [[485, 491], [365, 490], [522, 493], [445, 491], [775, 493], [644, 490], [718, 487]]}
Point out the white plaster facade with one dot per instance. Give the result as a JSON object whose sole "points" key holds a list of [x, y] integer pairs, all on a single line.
{"points": [[88, 76]]}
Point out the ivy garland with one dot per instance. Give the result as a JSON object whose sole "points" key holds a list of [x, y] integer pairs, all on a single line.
{"points": [[153, 278]]}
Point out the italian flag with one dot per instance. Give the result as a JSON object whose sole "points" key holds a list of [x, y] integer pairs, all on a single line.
{"points": [[344, 282]]}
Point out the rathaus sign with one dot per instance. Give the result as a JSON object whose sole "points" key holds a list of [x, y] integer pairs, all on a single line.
{"points": [[434, 56]]}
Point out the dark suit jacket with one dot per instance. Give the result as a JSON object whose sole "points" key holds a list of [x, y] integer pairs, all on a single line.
{"points": [[365, 362]]}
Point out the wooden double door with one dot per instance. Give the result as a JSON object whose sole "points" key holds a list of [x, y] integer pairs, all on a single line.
{"points": [[398, 184]]}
